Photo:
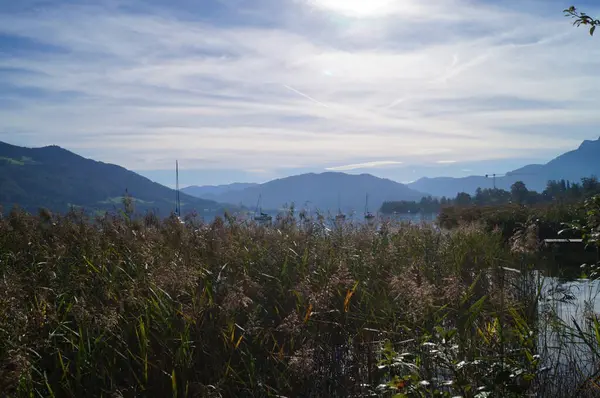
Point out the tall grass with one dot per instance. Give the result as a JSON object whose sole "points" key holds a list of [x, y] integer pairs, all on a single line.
{"points": [[550, 219], [122, 307]]}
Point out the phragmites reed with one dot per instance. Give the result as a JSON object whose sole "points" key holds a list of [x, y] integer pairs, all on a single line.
{"points": [[147, 307]]}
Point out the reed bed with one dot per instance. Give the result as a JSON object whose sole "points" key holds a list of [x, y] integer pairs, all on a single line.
{"points": [[140, 307]]}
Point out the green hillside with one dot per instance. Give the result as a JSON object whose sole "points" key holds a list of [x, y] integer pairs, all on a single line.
{"points": [[54, 178]]}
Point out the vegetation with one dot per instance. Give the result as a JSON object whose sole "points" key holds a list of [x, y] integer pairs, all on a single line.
{"points": [[549, 220], [138, 307], [581, 18], [589, 224], [561, 191]]}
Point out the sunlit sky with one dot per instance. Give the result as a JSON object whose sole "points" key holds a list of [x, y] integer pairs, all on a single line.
{"points": [[252, 90]]}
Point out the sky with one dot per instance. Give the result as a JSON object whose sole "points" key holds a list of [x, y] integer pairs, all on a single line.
{"points": [[250, 90]]}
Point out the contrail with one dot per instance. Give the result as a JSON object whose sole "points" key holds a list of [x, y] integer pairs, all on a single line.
{"points": [[305, 96], [393, 104]]}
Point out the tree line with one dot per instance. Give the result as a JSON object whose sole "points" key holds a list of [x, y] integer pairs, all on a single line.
{"points": [[555, 191]]}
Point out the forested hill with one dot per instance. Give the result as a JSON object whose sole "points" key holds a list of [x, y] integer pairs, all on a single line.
{"points": [[57, 179]]}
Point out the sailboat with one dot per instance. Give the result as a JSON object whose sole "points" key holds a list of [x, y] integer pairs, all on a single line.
{"points": [[259, 215], [340, 216], [177, 196], [368, 215]]}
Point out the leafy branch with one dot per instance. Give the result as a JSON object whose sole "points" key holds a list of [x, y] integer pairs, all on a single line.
{"points": [[581, 18]]}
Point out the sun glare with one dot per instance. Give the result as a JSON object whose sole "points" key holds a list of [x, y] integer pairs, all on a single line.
{"points": [[364, 8]]}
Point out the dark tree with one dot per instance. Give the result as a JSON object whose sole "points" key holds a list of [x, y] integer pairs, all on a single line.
{"points": [[519, 192], [463, 199]]}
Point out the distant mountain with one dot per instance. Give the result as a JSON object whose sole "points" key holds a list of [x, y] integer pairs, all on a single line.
{"points": [[212, 191], [54, 178], [322, 191], [574, 165]]}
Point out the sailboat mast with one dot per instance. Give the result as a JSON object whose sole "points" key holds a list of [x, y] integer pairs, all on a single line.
{"points": [[177, 200]]}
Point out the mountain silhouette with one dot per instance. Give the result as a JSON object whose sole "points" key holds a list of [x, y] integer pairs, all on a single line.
{"points": [[573, 166], [57, 179], [322, 191]]}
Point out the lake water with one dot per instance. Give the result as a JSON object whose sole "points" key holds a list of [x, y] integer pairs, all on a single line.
{"points": [[573, 299], [566, 308], [355, 218]]}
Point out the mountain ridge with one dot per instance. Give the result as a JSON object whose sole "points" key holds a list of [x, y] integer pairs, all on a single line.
{"points": [[571, 165], [322, 190], [55, 178]]}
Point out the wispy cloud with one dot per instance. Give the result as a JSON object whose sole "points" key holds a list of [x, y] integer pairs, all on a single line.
{"points": [[258, 171], [367, 165], [445, 161], [293, 82]]}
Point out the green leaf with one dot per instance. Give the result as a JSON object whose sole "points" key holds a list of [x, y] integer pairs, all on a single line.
{"points": [[174, 384], [596, 329], [529, 356], [592, 29]]}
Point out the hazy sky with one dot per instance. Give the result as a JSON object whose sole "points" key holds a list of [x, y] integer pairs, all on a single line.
{"points": [[251, 90]]}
